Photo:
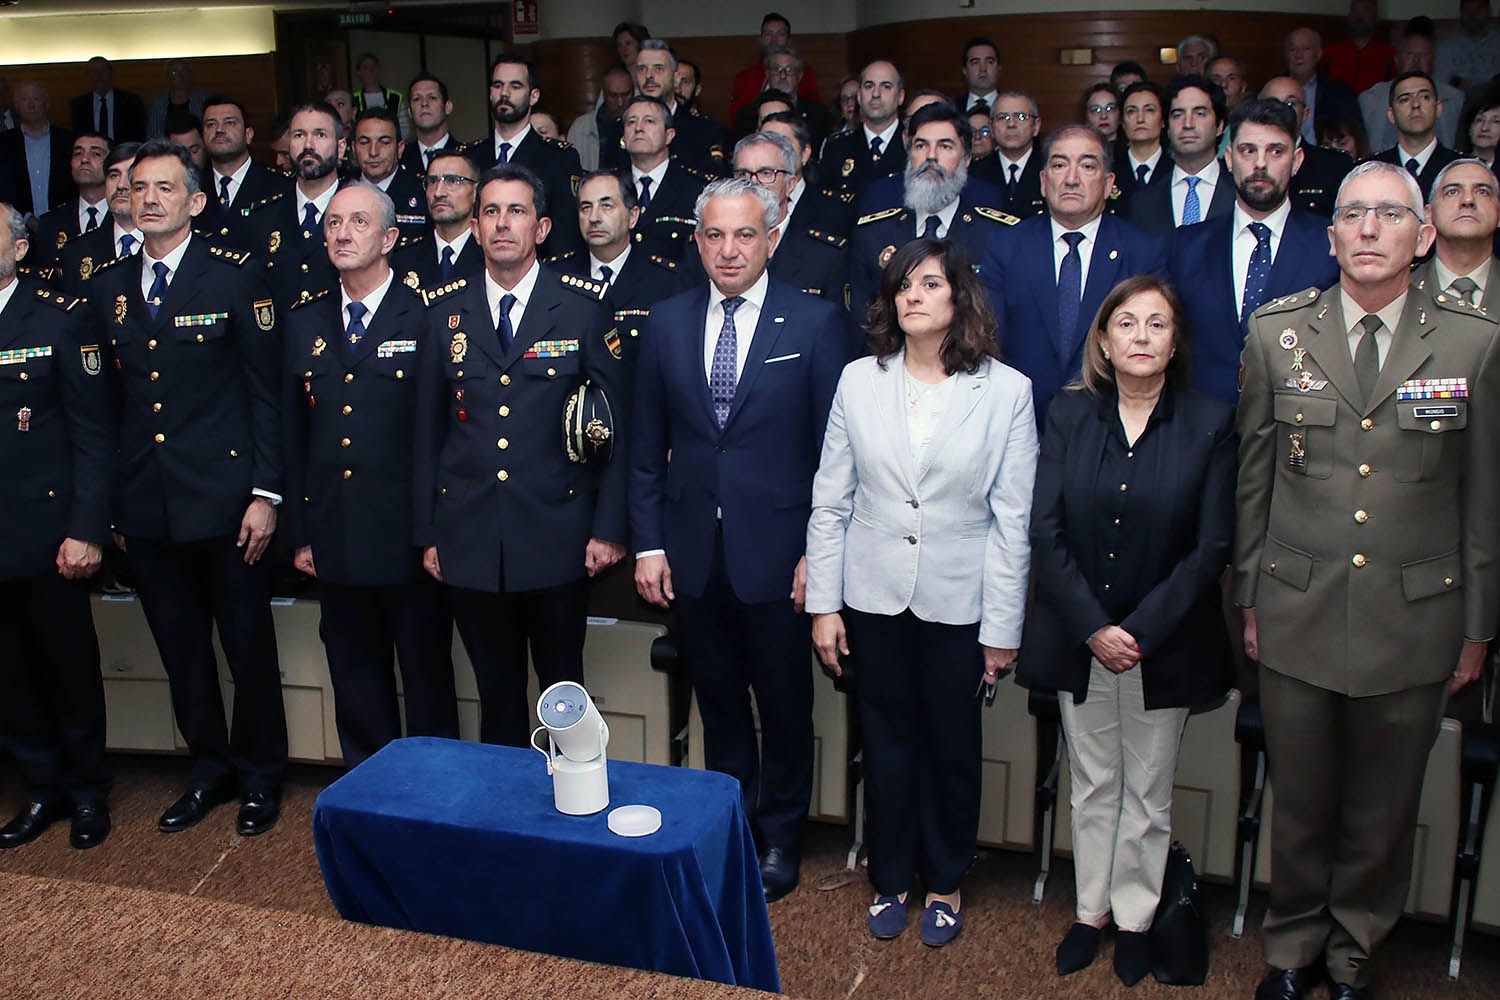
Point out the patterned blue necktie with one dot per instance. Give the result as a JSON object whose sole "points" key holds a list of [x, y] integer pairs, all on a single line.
{"points": [[356, 329], [1259, 273], [1192, 211], [506, 331], [1069, 293], [721, 376], [158, 288], [309, 220], [447, 264]]}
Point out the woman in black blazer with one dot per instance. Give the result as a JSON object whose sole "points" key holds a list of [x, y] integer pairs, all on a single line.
{"points": [[1131, 528]]}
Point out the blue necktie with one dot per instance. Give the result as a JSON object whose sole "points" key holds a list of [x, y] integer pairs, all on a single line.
{"points": [[158, 288], [309, 220], [224, 191], [1192, 211], [721, 375], [930, 227], [1413, 167], [1069, 293], [1142, 172], [507, 332], [645, 198], [356, 329], [127, 245], [446, 266], [503, 156], [875, 144], [606, 272], [93, 222], [1259, 273]]}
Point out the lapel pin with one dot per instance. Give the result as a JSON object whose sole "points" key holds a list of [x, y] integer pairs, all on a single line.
{"points": [[1114, 255]]}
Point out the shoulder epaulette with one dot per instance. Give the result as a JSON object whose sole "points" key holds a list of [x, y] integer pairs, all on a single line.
{"points": [[39, 273], [832, 239], [103, 266], [584, 286], [877, 216], [58, 299], [692, 170], [235, 257], [995, 215], [567, 255], [559, 143], [431, 295], [847, 197], [272, 199], [1455, 303], [310, 297], [1287, 303], [670, 265], [410, 241]]}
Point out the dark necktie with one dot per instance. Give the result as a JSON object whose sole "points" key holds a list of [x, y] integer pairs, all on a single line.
{"points": [[1464, 288], [503, 156], [93, 222], [446, 266], [309, 220], [1142, 172], [1259, 272], [127, 245], [606, 272], [1010, 185], [356, 328], [427, 155], [507, 332], [1069, 293], [1413, 167], [1192, 208], [224, 191], [158, 288], [930, 227], [721, 375], [875, 145], [104, 118], [645, 198], [1367, 357]]}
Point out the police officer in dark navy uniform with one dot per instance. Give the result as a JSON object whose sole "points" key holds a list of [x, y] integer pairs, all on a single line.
{"points": [[1315, 185], [377, 150], [851, 160], [664, 189], [118, 237], [235, 181], [513, 93], [699, 142], [85, 212], [190, 335], [349, 391], [286, 230], [830, 211], [59, 462], [427, 102], [506, 519], [447, 251]]}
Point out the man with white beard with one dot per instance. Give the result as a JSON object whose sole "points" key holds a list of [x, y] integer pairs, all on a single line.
{"points": [[939, 146]]}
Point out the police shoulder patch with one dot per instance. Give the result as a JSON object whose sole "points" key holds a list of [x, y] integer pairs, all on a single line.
{"points": [[586, 287], [57, 299], [248, 209], [877, 216], [311, 297], [832, 239], [670, 265], [995, 215]]}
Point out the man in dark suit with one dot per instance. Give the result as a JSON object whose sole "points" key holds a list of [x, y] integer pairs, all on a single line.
{"points": [[1015, 167], [427, 99], [349, 394], [235, 180], [1328, 98], [735, 380], [1048, 274], [193, 351], [664, 188], [1316, 182], [118, 237], [981, 67], [933, 204], [86, 211], [513, 93], [118, 114], [1226, 268], [1198, 186], [1414, 111], [377, 150], [60, 466], [828, 210], [699, 142], [814, 259], [37, 154], [447, 252], [505, 518], [286, 229], [851, 160]]}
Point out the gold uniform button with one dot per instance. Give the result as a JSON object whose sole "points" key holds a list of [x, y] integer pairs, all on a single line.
{"points": [[551, 371], [1271, 568], [154, 375], [505, 411], [400, 373], [24, 376], [233, 453], [160, 438], [348, 473], [1364, 471], [1367, 424], [1358, 560], [151, 345], [502, 475], [348, 410], [505, 380], [348, 377], [304, 268], [344, 443], [52, 495], [1298, 418], [1360, 517], [155, 407], [502, 444], [199, 338], [1436, 425], [1124, 488], [1447, 581]]}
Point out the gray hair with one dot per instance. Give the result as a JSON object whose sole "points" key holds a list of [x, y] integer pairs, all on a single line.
{"points": [[15, 222], [1024, 95], [1465, 161], [782, 143], [1213, 49], [660, 45], [387, 207], [785, 50], [1416, 203], [735, 187]]}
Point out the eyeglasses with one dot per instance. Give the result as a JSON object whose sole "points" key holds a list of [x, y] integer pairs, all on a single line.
{"points": [[1386, 213], [982, 130], [1490, 121], [765, 175], [1021, 116], [784, 70], [1102, 109], [452, 180]]}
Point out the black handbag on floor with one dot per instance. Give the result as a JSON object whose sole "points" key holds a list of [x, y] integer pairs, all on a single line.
{"points": [[1179, 934]]}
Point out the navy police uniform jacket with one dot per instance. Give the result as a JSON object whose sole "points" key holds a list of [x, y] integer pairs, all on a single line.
{"points": [[645, 280], [56, 444], [1315, 186], [296, 266], [227, 222], [416, 263], [76, 264], [666, 226], [880, 234], [495, 491], [847, 163], [556, 164], [409, 195]]}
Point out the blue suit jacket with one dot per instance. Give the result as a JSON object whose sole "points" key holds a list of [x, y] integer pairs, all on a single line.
{"points": [[1200, 266], [1019, 273], [759, 469]]}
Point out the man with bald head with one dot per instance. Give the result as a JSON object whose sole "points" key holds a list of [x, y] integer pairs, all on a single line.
{"points": [[1317, 181], [1327, 97], [35, 157], [853, 159], [106, 109]]}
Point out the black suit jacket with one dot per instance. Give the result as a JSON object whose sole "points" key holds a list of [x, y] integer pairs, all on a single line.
{"points": [[411, 156], [1150, 207], [1315, 185], [210, 359], [417, 265], [59, 460], [1186, 509], [701, 144], [360, 524], [1440, 158], [1128, 183], [1025, 200], [15, 180], [666, 225], [846, 163], [295, 267], [128, 123], [556, 163]]}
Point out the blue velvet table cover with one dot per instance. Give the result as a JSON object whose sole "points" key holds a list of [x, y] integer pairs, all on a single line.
{"points": [[463, 839]]}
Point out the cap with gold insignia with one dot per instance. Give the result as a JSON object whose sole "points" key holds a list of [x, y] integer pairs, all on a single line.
{"points": [[588, 425]]}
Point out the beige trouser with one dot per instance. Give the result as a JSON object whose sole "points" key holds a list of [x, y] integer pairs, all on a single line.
{"points": [[1122, 758]]}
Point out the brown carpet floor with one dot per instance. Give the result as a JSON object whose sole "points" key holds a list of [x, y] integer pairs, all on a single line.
{"points": [[114, 922]]}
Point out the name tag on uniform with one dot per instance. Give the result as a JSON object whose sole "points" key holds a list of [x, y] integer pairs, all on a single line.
{"points": [[1426, 412], [20, 355], [200, 319], [391, 348], [1434, 388], [410, 220], [551, 349]]}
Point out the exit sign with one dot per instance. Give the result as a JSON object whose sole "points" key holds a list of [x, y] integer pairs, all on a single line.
{"points": [[356, 20]]}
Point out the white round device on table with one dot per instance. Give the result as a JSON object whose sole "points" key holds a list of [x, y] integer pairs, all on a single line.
{"points": [[634, 821]]}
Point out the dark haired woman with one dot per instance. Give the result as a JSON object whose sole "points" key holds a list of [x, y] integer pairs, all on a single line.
{"points": [[1131, 527], [917, 546]]}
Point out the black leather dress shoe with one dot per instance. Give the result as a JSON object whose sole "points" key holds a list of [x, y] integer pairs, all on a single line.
{"points": [[259, 812], [779, 871], [195, 804], [1289, 984], [90, 825], [1343, 991], [30, 822]]}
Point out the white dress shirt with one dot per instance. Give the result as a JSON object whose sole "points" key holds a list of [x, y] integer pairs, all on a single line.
{"points": [[1006, 163], [322, 201], [371, 302], [1149, 163], [134, 234], [1244, 244], [945, 219], [384, 184], [989, 100], [101, 212], [1090, 231], [615, 266], [656, 174], [745, 319], [7, 293], [434, 149], [458, 244], [514, 142], [493, 293], [886, 137], [1390, 318], [1480, 275], [236, 181], [1208, 179]]}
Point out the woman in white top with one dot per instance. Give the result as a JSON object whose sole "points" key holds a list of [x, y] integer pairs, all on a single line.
{"points": [[917, 562]]}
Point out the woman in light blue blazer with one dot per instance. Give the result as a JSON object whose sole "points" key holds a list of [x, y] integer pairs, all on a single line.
{"points": [[917, 562]]}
